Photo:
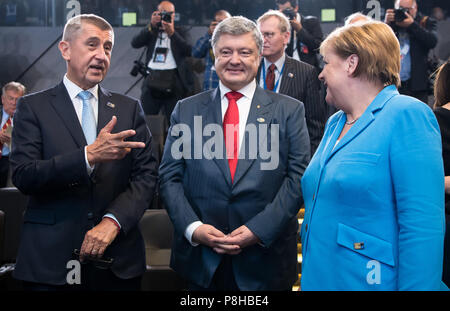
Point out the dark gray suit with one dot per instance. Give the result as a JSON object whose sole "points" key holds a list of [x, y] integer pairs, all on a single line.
{"points": [[300, 81], [48, 164], [266, 201]]}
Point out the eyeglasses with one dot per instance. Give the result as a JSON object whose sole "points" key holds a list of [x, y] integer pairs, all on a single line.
{"points": [[268, 35]]}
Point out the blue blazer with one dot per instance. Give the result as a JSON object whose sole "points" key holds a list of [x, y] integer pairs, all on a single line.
{"points": [[374, 217], [198, 187]]}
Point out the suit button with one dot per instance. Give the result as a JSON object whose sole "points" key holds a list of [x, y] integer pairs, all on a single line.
{"points": [[90, 215]]}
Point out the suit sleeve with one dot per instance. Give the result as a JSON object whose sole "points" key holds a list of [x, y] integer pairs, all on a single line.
{"points": [[171, 172], [311, 33], [418, 178], [32, 174], [271, 222], [129, 206]]}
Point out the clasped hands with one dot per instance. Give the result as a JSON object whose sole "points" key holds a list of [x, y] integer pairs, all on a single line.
{"points": [[231, 244]]}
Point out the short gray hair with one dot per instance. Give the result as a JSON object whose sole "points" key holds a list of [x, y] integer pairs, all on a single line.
{"points": [[284, 24], [74, 25], [15, 86], [236, 26]]}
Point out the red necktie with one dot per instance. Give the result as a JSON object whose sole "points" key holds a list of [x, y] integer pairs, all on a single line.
{"points": [[7, 123], [270, 77], [231, 130]]}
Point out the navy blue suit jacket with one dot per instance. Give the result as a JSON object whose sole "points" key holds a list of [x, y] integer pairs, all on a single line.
{"points": [[48, 164], [266, 201]]}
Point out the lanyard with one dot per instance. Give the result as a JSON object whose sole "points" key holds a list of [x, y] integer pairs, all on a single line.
{"points": [[278, 80]]}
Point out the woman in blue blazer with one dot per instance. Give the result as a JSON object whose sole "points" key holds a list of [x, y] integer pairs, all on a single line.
{"points": [[374, 190]]}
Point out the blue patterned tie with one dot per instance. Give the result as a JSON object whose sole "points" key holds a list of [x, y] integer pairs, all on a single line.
{"points": [[87, 118]]}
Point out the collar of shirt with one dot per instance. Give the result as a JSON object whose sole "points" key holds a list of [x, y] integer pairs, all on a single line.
{"points": [[77, 102], [244, 104], [279, 64]]}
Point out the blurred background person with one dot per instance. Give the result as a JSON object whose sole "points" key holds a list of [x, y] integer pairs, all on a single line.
{"points": [[169, 78], [416, 34], [203, 49], [306, 34], [285, 75], [442, 112], [357, 18], [373, 192], [11, 92]]}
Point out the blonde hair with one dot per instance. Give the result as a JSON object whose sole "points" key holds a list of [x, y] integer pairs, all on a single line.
{"points": [[376, 46]]}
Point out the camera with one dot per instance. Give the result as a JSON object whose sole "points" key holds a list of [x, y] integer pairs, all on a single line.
{"points": [[139, 67], [166, 17], [290, 13], [400, 14]]}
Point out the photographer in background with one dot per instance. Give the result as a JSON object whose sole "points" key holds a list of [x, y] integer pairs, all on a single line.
{"points": [[306, 35], [416, 35], [203, 49], [169, 78]]}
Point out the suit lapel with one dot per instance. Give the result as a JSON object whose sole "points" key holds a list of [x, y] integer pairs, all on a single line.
{"points": [[287, 77], [106, 109], [63, 106], [261, 111], [213, 109]]}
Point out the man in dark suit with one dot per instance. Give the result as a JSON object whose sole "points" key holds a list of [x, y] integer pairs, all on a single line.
{"points": [[306, 35], [416, 34], [11, 92], [83, 155], [283, 74], [234, 204], [167, 49]]}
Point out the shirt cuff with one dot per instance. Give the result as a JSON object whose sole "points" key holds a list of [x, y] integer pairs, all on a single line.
{"points": [[190, 231], [89, 169], [109, 215]]}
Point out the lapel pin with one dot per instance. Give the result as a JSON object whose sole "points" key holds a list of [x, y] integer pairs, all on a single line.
{"points": [[290, 75], [260, 120], [259, 106], [110, 105], [358, 246]]}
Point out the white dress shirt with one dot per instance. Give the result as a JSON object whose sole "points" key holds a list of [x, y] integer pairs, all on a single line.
{"points": [[278, 74], [244, 104], [163, 41], [77, 102]]}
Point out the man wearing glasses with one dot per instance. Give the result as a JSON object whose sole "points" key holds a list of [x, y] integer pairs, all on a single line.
{"points": [[415, 33], [285, 75]]}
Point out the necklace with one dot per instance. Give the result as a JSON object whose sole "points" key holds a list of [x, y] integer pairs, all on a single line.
{"points": [[351, 122]]}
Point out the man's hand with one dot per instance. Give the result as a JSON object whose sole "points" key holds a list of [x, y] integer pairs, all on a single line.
{"points": [[98, 239], [406, 22], [237, 240], [296, 25], [389, 18], [208, 235], [169, 28], [156, 18], [109, 147], [4, 138]]}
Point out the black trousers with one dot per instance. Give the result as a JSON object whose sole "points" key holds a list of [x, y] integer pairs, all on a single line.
{"points": [[92, 279], [153, 104], [4, 169], [446, 270]]}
